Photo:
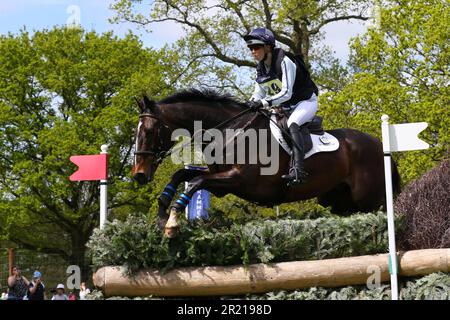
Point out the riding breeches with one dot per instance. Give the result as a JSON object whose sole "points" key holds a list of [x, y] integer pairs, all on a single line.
{"points": [[303, 112]]}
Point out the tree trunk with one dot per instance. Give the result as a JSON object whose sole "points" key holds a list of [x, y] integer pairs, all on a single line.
{"points": [[78, 256]]}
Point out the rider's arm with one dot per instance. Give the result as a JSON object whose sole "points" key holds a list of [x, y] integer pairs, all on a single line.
{"points": [[289, 70], [258, 93]]}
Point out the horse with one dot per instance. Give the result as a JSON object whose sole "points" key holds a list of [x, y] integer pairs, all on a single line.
{"points": [[349, 179]]}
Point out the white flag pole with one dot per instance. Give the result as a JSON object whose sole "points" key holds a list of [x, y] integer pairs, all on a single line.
{"points": [[389, 207], [103, 194], [186, 184]]}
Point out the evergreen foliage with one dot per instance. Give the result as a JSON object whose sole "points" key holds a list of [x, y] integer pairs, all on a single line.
{"points": [[137, 244]]}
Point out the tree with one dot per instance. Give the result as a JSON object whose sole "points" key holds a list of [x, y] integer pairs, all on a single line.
{"points": [[66, 92], [401, 68], [214, 31]]}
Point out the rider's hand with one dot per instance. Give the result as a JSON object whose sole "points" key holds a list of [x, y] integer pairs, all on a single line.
{"points": [[255, 105]]}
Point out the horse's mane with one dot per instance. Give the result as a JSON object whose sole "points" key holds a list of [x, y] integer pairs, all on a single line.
{"points": [[205, 95]]}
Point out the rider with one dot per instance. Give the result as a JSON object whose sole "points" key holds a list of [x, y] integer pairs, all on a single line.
{"points": [[280, 81]]}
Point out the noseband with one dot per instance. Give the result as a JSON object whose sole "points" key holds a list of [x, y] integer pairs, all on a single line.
{"points": [[158, 152]]}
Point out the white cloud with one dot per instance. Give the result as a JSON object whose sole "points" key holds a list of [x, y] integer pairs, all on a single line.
{"points": [[338, 35]]}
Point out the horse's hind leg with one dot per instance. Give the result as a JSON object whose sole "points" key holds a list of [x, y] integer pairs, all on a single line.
{"points": [[339, 199], [165, 198], [367, 190]]}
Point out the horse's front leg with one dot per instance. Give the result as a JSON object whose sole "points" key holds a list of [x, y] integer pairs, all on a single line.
{"points": [[223, 182], [165, 198]]}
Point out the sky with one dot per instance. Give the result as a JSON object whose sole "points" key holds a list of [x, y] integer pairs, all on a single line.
{"points": [[94, 14]]}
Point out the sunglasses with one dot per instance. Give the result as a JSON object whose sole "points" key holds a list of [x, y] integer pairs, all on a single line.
{"points": [[255, 47]]}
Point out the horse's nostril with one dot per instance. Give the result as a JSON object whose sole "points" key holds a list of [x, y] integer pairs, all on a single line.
{"points": [[140, 178]]}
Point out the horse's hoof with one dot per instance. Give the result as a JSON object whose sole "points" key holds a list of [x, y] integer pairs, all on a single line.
{"points": [[171, 232], [161, 223]]}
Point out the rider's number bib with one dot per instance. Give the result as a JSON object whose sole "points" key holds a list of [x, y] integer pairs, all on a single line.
{"points": [[272, 87]]}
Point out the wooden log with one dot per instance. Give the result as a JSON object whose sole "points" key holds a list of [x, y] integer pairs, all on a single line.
{"points": [[257, 278]]}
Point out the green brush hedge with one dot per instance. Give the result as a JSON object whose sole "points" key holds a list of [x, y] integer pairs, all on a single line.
{"points": [[137, 244]]}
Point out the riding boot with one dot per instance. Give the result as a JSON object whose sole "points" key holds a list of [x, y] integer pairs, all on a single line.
{"points": [[297, 173]]}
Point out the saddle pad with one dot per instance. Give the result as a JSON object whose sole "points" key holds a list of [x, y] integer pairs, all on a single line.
{"points": [[323, 143]]}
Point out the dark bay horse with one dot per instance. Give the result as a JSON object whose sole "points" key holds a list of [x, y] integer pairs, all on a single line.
{"points": [[349, 179]]}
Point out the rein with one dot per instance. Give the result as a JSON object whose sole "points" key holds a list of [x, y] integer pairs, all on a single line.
{"points": [[160, 154]]}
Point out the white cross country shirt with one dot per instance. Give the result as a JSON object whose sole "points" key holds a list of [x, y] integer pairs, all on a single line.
{"points": [[274, 90]]}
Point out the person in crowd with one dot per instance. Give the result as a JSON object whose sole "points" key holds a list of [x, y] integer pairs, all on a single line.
{"points": [[18, 285], [84, 291], [36, 289], [72, 296], [60, 295]]}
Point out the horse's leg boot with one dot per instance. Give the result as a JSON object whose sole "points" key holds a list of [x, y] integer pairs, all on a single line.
{"points": [[297, 174]]}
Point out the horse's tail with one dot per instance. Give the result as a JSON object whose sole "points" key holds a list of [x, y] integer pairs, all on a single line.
{"points": [[396, 180]]}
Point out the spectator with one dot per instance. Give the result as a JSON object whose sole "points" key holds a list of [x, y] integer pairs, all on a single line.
{"points": [[18, 285], [60, 293], [84, 291], [36, 290], [72, 296]]}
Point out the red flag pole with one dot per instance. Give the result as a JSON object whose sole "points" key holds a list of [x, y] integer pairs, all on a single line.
{"points": [[103, 194]]}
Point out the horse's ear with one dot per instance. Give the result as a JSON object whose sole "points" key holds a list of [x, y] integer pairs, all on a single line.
{"points": [[140, 104], [150, 104]]}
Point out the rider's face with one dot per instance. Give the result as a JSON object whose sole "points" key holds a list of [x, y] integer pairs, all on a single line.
{"points": [[258, 51]]}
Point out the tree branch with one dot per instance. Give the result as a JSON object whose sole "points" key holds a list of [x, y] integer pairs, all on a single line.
{"points": [[267, 14], [52, 208], [327, 21], [26, 245], [206, 36], [234, 7]]}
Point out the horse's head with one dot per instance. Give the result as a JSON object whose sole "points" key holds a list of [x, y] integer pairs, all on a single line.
{"points": [[151, 141]]}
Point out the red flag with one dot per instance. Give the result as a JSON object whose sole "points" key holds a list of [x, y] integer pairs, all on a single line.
{"points": [[92, 167]]}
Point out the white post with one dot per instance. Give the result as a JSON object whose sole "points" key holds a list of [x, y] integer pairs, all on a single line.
{"points": [[389, 206], [186, 184], [103, 194]]}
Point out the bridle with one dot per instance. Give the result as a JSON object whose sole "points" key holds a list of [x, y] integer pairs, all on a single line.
{"points": [[158, 152]]}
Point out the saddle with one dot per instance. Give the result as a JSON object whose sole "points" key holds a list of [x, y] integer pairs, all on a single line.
{"points": [[312, 127]]}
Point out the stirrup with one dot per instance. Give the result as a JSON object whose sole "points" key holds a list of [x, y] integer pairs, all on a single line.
{"points": [[295, 176]]}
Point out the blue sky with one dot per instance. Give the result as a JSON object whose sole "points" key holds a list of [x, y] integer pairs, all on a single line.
{"points": [[94, 14]]}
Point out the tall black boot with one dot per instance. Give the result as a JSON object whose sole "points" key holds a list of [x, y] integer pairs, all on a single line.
{"points": [[297, 173]]}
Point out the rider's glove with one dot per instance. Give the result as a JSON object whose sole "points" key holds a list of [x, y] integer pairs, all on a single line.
{"points": [[255, 105]]}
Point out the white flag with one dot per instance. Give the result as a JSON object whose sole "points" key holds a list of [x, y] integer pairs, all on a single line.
{"points": [[403, 137]]}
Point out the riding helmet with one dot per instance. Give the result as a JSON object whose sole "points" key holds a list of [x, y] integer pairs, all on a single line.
{"points": [[260, 36]]}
